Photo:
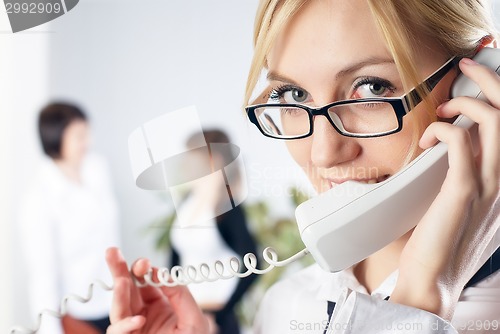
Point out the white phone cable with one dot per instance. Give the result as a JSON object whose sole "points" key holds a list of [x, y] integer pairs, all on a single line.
{"points": [[179, 275]]}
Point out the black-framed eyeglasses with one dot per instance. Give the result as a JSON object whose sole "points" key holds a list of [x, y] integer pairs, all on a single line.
{"points": [[362, 118]]}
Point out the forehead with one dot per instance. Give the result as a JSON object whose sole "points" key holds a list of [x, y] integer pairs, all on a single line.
{"points": [[325, 30], [77, 125]]}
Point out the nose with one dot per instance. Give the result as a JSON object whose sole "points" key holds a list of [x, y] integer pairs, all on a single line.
{"points": [[330, 148]]}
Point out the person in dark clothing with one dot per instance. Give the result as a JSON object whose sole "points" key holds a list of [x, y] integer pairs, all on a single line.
{"points": [[220, 238]]}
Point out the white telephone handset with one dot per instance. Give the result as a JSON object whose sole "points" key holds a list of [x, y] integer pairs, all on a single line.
{"points": [[346, 224]]}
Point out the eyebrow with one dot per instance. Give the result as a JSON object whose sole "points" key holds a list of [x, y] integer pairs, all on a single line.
{"points": [[273, 76]]}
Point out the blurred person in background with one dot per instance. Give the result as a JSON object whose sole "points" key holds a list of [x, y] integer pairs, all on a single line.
{"points": [[68, 218], [197, 240]]}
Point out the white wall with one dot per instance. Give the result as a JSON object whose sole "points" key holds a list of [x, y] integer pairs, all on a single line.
{"points": [[496, 11], [23, 83], [5, 198]]}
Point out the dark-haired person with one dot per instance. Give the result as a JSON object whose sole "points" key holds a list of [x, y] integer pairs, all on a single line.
{"points": [[68, 218], [199, 239]]}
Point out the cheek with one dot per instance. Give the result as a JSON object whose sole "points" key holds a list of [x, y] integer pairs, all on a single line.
{"points": [[300, 150], [65, 145], [402, 147], [74, 147], [68, 147]]}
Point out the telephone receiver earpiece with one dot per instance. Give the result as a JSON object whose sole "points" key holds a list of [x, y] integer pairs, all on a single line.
{"points": [[463, 86], [348, 223]]}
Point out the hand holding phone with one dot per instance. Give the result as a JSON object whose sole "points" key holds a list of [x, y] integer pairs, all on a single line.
{"points": [[460, 229], [345, 225]]}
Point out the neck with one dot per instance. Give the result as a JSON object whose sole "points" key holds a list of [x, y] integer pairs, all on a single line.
{"points": [[70, 169], [372, 271]]}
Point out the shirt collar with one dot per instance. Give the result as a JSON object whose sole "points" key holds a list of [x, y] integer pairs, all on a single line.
{"points": [[331, 285]]}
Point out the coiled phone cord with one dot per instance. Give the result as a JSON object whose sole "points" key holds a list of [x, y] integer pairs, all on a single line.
{"points": [[178, 275], [63, 309], [190, 274]]}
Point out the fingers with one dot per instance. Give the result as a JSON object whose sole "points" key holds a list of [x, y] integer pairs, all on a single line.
{"points": [[119, 270], [489, 122], [148, 293], [116, 263], [184, 305], [486, 115], [460, 155], [487, 79], [129, 300], [189, 315], [121, 300], [127, 325], [141, 267], [480, 112], [488, 119], [121, 314], [178, 297]]}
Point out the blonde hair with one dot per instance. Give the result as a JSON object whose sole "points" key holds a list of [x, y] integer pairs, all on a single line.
{"points": [[459, 26]]}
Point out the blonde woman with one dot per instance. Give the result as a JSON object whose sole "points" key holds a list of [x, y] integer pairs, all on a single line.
{"points": [[322, 51]]}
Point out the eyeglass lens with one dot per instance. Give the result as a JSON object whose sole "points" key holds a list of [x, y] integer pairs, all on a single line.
{"points": [[363, 118]]}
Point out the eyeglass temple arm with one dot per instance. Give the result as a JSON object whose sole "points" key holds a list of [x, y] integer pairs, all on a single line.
{"points": [[428, 85]]}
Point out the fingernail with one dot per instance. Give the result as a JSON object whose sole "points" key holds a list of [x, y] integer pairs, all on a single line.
{"points": [[120, 254], [136, 319], [468, 61], [441, 106]]}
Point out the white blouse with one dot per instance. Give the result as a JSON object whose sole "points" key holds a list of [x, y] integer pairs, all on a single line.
{"points": [[201, 242], [65, 228], [298, 304]]}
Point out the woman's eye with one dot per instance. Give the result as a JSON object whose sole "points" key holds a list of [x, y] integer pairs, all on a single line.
{"points": [[295, 95], [370, 89], [377, 89]]}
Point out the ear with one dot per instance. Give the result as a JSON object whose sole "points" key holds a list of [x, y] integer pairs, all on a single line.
{"points": [[487, 41]]}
